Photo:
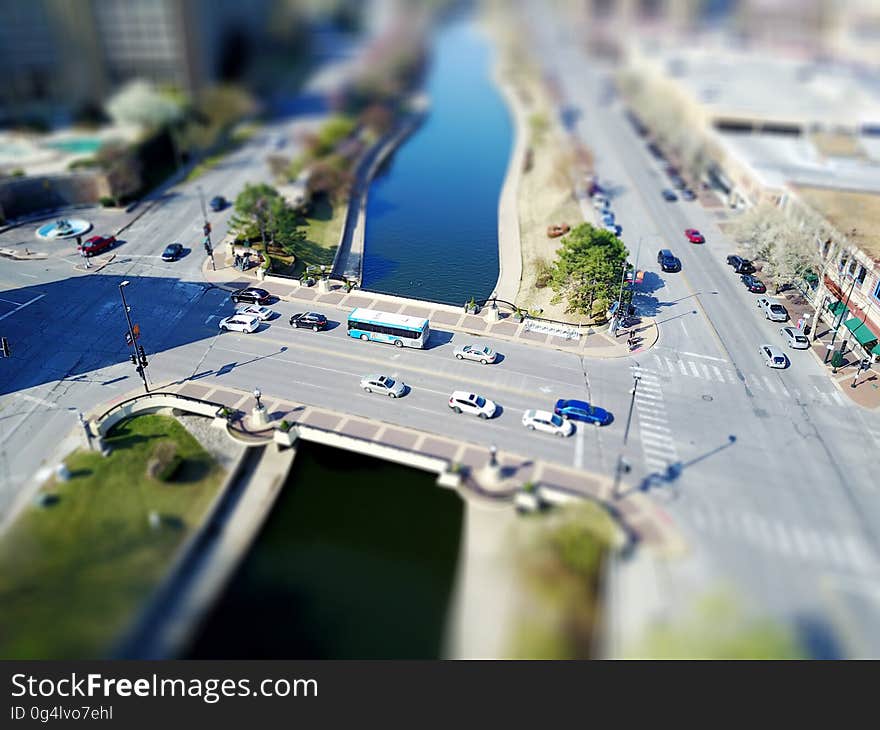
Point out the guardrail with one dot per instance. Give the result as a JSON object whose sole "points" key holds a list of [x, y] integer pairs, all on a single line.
{"points": [[149, 401]]}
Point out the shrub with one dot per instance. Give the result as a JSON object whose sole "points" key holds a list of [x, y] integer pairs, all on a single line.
{"points": [[164, 461], [284, 426], [17, 172], [107, 201], [543, 273]]}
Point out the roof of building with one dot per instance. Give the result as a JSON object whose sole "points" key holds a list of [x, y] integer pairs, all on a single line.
{"points": [[855, 214]]}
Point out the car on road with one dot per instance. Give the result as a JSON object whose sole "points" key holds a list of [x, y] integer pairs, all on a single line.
{"points": [[310, 320], [753, 284], [218, 202], [251, 295], [694, 236], [740, 265], [796, 339], [773, 311], [255, 310], [97, 244], [608, 217], [240, 323], [667, 260], [172, 252], [688, 194], [483, 355], [669, 195], [655, 150], [384, 385], [580, 410], [613, 228], [463, 402], [547, 422], [600, 202], [773, 356]]}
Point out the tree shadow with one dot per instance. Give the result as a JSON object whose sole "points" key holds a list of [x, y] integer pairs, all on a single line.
{"points": [[191, 471]]}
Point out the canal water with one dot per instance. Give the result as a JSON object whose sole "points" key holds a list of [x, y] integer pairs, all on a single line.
{"points": [[432, 214], [356, 561]]}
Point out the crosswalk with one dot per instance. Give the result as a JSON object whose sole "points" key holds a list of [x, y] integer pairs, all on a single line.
{"points": [[658, 445], [722, 372], [809, 545]]}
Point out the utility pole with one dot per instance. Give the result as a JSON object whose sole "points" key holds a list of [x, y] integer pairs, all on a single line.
{"points": [[139, 362], [206, 229], [838, 319]]}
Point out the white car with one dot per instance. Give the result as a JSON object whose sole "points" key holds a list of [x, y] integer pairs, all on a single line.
{"points": [[240, 323], [773, 356], [773, 311], [384, 385], [600, 202], [255, 310], [796, 339], [547, 422], [483, 355], [463, 402]]}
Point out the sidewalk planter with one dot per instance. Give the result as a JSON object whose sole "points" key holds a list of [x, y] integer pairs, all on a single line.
{"points": [[526, 501], [471, 307], [283, 438], [449, 479], [518, 316]]}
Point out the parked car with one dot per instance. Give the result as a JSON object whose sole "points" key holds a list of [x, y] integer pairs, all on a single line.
{"points": [[240, 323], [218, 202], [773, 311], [667, 260], [740, 265], [678, 182], [483, 355], [255, 310], [547, 422], [688, 194], [463, 402], [580, 410], [97, 244], [753, 284], [384, 385], [796, 339], [613, 228], [773, 357], [669, 195], [694, 236], [600, 202], [251, 295], [655, 150], [309, 320], [172, 252], [608, 217]]}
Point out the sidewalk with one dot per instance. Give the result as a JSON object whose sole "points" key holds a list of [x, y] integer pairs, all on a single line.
{"points": [[590, 342], [867, 391]]}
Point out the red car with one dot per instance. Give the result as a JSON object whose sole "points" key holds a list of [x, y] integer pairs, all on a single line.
{"points": [[97, 244], [694, 236]]}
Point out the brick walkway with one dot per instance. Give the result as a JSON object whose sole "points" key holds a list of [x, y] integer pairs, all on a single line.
{"points": [[590, 342]]}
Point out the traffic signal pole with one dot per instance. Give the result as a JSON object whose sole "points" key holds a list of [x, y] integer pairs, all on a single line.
{"points": [[206, 229], [134, 357]]}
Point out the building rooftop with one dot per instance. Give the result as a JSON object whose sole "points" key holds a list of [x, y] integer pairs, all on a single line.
{"points": [[854, 214]]}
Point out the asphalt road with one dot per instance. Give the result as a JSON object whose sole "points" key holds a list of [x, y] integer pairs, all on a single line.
{"points": [[775, 477]]}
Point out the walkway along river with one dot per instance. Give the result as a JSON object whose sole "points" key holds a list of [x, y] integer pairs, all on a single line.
{"points": [[432, 216]]}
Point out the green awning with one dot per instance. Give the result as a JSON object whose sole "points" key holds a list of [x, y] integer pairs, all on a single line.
{"points": [[860, 331], [836, 308], [876, 350]]}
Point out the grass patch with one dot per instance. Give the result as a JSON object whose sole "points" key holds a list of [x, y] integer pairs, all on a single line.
{"points": [[72, 575], [323, 227], [837, 144]]}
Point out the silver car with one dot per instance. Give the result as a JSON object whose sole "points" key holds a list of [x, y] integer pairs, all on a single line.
{"points": [[773, 356], [796, 339], [383, 384], [483, 355], [773, 311], [547, 422]]}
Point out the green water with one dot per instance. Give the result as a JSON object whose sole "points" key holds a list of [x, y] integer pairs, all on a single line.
{"points": [[79, 145], [356, 561]]}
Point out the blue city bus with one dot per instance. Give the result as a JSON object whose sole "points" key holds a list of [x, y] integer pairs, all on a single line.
{"points": [[395, 329]]}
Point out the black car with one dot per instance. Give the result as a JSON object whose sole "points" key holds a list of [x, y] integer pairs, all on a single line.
{"points": [[310, 320], [753, 284], [669, 195], [668, 261], [218, 203], [251, 295], [678, 182], [172, 252], [740, 265], [688, 194], [655, 150]]}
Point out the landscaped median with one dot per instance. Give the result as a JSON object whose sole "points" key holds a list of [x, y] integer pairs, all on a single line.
{"points": [[76, 567]]}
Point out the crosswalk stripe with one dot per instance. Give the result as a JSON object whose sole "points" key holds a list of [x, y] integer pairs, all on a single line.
{"points": [[693, 368], [718, 374], [857, 552], [655, 427], [834, 550], [682, 367], [664, 453], [784, 389], [783, 540], [837, 399], [649, 396], [800, 541], [731, 376], [642, 408], [705, 371], [769, 384], [658, 440]]}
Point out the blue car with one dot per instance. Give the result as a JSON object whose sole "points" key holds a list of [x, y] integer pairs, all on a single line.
{"points": [[580, 410], [608, 218]]}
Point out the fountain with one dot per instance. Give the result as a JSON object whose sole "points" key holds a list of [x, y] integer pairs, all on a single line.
{"points": [[64, 228]]}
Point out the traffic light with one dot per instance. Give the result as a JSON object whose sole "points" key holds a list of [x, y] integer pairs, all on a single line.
{"points": [[207, 228], [143, 355], [4, 347], [133, 358], [208, 248]]}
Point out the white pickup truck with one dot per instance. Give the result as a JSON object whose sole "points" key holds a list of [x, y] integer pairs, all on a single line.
{"points": [[773, 311]]}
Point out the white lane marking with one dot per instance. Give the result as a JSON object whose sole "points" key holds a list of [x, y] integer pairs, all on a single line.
{"points": [[706, 357], [769, 384], [682, 367], [692, 365], [784, 389], [39, 401], [659, 361], [681, 322], [719, 376], [837, 398], [210, 317], [29, 276], [706, 372], [655, 426], [22, 306], [650, 396], [661, 442], [579, 448], [641, 407], [649, 388], [664, 454], [671, 365], [9, 301]]}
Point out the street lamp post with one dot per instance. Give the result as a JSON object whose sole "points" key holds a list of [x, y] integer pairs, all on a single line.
{"points": [[140, 368], [622, 466]]}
